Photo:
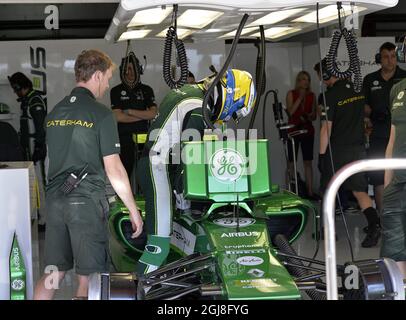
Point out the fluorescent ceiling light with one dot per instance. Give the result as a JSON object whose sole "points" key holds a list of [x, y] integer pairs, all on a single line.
{"points": [[275, 17], [244, 31], [198, 18], [133, 34], [214, 30], [149, 16], [277, 32], [327, 14], [182, 33]]}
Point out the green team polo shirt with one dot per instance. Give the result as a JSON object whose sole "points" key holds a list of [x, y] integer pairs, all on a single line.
{"points": [[345, 108], [398, 99], [80, 131]]}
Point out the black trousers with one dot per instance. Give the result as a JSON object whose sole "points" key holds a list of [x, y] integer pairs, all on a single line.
{"points": [[128, 153]]}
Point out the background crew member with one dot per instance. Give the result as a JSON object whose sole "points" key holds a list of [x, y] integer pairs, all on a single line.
{"points": [[82, 138], [133, 107], [10, 148], [345, 128], [190, 78], [394, 205], [302, 108], [32, 131], [377, 87], [180, 110]]}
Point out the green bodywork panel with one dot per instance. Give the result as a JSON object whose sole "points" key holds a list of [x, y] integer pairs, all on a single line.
{"points": [[244, 258], [123, 255], [226, 171], [246, 264]]}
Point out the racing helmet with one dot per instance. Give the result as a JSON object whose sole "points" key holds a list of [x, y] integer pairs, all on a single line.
{"points": [[234, 96]]}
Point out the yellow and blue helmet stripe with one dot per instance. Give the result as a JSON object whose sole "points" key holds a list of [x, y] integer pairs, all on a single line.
{"points": [[238, 95]]}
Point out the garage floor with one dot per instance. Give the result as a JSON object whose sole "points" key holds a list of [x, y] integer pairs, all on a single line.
{"points": [[305, 246]]}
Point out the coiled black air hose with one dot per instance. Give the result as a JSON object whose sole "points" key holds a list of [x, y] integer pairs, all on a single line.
{"points": [[354, 70], [171, 37], [283, 245]]}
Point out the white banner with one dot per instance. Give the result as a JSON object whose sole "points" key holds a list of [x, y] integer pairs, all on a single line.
{"points": [[50, 65]]}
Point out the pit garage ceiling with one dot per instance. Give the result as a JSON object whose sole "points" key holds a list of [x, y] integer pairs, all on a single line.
{"points": [[81, 19]]}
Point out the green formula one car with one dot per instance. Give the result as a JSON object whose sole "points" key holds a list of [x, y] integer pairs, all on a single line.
{"points": [[235, 241]]}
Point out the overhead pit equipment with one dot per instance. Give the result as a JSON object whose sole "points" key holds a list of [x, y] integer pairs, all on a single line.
{"points": [[219, 19]]}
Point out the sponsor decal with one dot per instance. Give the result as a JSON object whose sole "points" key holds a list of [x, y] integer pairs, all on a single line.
{"points": [[240, 234], [38, 70], [226, 165], [256, 272], [256, 283], [226, 213], [72, 99], [18, 285], [246, 251], [183, 239], [233, 222], [401, 95], [63, 123], [17, 272], [350, 100], [250, 261], [151, 248], [240, 246]]}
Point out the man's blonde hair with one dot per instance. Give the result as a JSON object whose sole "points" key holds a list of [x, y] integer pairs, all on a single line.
{"points": [[90, 61]]}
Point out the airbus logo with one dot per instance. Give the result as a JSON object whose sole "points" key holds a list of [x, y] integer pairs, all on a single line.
{"points": [[240, 234]]}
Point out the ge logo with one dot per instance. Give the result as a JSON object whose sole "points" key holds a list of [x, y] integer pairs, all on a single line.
{"points": [[17, 284], [226, 165]]}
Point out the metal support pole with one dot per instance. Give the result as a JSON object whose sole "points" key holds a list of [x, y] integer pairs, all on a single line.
{"points": [[328, 211]]}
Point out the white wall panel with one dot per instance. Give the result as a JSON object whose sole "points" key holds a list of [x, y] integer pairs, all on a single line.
{"points": [[61, 55]]}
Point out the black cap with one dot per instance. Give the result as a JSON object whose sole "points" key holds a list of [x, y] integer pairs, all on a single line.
{"points": [[20, 81]]}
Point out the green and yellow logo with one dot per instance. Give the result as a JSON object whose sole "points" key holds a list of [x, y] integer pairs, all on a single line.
{"points": [[64, 123]]}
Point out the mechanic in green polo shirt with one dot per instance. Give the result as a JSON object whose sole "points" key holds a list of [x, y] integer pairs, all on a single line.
{"points": [[394, 203], [134, 106], [377, 87], [83, 147], [181, 112], [345, 128]]}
